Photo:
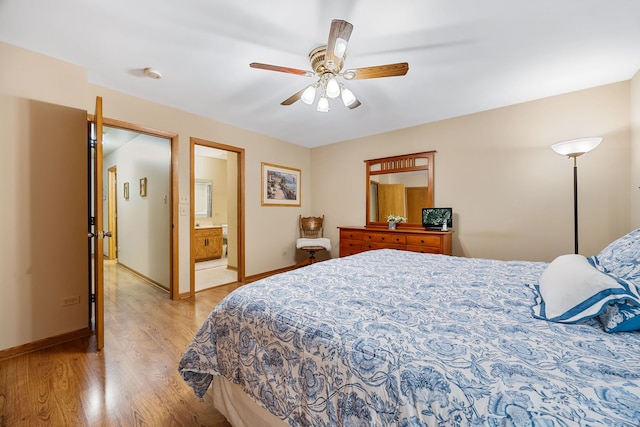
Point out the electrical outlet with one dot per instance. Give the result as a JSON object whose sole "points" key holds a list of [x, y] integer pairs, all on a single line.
{"points": [[71, 300]]}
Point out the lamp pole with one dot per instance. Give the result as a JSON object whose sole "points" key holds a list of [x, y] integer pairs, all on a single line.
{"points": [[573, 149], [575, 202]]}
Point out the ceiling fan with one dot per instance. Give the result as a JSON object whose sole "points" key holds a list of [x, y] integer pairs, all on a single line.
{"points": [[327, 63]]}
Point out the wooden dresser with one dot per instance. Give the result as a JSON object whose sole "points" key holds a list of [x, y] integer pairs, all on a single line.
{"points": [[207, 243], [360, 239]]}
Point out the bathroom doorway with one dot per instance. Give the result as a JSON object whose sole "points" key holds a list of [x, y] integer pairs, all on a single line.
{"points": [[216, 215]]}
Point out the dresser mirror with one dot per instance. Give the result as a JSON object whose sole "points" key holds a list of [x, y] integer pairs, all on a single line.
{"points": [[399, 186]]}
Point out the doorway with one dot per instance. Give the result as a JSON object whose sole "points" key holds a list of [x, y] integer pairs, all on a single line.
{"points": [[141, 202], [217, 215]]}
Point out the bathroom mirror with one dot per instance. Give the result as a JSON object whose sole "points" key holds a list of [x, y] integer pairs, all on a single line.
{"points": [[202, 194], [400, 186]]}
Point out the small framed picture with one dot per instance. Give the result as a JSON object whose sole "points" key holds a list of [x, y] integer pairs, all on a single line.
{"points": [[280, 185], [126, 191], [143, 187]]}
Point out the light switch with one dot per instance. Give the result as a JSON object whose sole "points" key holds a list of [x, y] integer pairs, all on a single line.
{"points": [[183, 210]]}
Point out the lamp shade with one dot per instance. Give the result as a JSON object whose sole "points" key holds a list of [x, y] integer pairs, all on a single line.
{"points": [[333, 88], [348, 97], [576, 147], [323, 105], [309, 95]]}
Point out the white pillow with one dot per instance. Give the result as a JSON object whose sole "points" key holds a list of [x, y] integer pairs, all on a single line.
{"points": [[571, 289]]}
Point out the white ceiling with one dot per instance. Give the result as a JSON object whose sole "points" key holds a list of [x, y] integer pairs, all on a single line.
{"points": [[464, 55]]}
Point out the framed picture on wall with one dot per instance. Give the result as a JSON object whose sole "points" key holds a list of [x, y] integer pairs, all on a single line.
{"points": [[143, 187], [280, 185], [126, 191]]}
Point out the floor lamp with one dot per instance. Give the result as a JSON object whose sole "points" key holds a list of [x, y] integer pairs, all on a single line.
{"points": [[573, 149]]}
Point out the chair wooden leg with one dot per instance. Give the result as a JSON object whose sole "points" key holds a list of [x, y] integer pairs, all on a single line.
{"points": [[307, 261]]}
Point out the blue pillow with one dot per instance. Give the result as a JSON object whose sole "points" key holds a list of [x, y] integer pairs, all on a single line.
{"points": [[571, 290], [621, 257], [620, 317]]}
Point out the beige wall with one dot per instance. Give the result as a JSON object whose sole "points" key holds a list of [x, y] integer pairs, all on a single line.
{"points": [[635, 151], [512, 195], [43, 212]]}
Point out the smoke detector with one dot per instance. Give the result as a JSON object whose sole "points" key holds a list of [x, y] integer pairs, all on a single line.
{"points": [[152, 73]]}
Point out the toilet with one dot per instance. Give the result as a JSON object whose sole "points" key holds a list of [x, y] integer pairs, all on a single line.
{"points": [[224, 239]]}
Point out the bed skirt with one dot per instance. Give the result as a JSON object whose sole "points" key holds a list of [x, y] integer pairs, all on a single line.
{"points": [[238, 409]]}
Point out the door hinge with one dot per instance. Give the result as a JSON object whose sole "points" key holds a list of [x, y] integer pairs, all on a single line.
{"points": [[92, 143], [92, 220], [92, 298]]}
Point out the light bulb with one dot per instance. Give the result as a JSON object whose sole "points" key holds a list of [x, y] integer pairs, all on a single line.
{"points": [[309, 95], [323, 105], [333, 88], [348, 97]]}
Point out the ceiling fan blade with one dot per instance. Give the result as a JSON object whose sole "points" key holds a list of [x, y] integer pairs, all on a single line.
{"points": [[293, 98], [337, 45], [389, 70], [281, 69]]}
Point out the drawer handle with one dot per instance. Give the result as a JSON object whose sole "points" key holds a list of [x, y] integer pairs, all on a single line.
{"points": [[421, 240], [383, 239]]}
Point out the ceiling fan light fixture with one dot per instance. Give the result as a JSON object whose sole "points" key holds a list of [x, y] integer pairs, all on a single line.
{"points": [[323, 105], [333, 88], [348, 97], [309, 95], [327, 63]]}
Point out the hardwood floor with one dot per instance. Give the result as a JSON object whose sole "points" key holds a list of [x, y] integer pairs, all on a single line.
{"points": [[133, 381]]}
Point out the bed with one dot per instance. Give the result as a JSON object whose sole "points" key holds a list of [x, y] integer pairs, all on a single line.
{"points": [[396, 338]]}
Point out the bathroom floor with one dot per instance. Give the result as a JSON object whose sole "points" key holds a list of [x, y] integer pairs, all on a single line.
{"points": [[213, 273]]}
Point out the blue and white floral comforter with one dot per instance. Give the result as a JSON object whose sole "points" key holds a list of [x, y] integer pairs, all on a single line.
{"points": [[394, 338]]}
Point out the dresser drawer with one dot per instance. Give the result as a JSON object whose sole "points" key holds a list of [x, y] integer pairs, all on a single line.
{"points": [[351, 235], [369, 246], [351, 247], [425, 241], [423, 249], [387, 238], [351, 244]]}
